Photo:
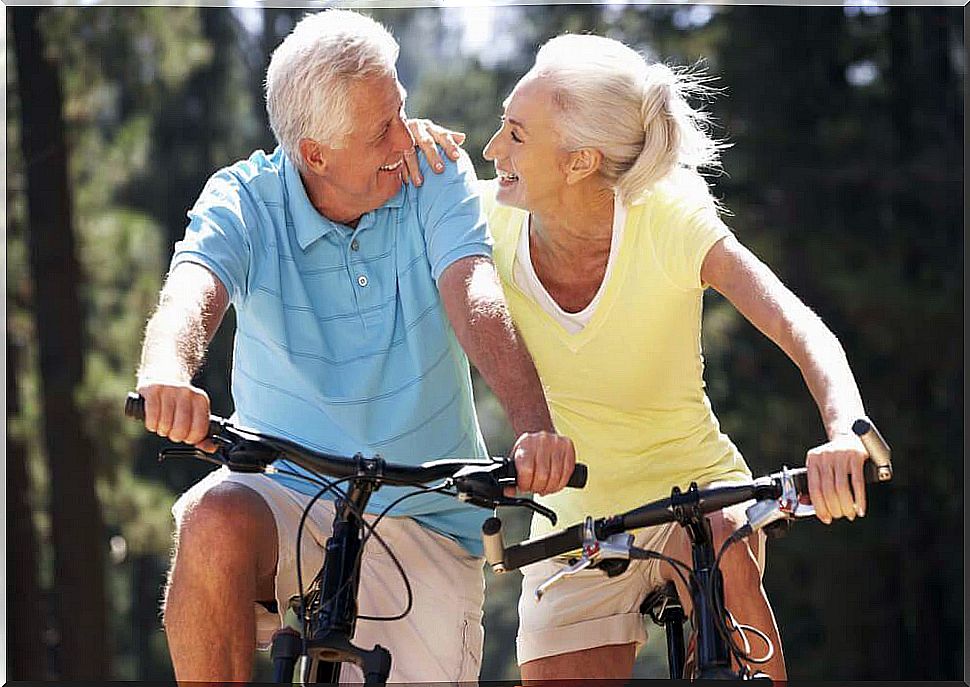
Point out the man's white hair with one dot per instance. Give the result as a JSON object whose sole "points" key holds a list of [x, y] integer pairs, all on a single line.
{"points": [[312, 71], [609, 98]]}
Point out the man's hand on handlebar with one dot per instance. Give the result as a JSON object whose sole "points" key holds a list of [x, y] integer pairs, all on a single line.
{"points": [[544, 462], [836, 479], [177, 411]]}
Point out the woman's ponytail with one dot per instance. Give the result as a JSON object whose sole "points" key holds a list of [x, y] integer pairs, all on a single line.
{"points": [[675, 135]]}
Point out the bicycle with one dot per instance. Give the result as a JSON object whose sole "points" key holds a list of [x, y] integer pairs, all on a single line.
{"points": [[780, 499], [327, 609]]}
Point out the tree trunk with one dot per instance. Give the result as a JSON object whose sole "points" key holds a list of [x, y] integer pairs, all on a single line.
{"points": [[27, 619], [78, 532]]}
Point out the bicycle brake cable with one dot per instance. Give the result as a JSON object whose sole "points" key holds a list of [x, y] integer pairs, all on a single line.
{"points": [[720, 623], [370, 529]]}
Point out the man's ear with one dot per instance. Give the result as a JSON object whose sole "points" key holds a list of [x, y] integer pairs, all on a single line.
{"points": [[582, 163], [314, 156]]}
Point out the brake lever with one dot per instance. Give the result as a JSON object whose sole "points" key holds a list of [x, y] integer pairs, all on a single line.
{"points": [[583, 563], [538, 508], [479, 487], [190, 452]]}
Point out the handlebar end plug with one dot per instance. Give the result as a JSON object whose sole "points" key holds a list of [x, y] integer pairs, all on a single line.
{"points": [[493, 543]]}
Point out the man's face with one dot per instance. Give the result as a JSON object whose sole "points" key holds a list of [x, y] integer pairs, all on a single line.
{"points": [[365, 172]]}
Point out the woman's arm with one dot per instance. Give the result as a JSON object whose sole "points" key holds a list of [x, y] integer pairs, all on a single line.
{"points": [[769, 305]]}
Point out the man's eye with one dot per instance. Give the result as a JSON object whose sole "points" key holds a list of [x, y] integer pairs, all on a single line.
{"points": [[515, 138]]}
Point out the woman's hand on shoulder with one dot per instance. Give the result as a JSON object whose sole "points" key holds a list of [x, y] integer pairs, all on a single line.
{"points": [[427, 137]]}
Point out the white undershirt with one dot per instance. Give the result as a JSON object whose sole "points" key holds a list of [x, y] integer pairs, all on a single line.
{"points": [[524, 275]]}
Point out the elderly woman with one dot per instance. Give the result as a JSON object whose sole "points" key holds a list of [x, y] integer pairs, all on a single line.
{"points": [[605, 237]]}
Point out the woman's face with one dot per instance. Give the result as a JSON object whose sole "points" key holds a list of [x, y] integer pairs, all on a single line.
{"points": [[528, 156]]}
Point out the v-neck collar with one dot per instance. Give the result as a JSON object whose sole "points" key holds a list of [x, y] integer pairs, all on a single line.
{"points": [[607, 291]]}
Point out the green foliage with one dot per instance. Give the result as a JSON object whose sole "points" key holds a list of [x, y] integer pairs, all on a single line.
{"points": [[843, 176]]}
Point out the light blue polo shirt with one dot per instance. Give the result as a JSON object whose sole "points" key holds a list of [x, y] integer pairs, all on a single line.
{"points": [[342, 342]]}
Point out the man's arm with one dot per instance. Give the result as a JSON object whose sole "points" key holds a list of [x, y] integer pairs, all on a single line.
{"points": [[476, 306], [191, 307]]}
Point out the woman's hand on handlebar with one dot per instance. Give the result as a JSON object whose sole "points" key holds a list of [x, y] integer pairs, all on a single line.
{"points": [[544, 462], [177, 411], [836, 478]]}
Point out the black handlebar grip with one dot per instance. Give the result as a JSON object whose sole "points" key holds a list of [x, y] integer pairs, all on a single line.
{"points": [[135, 406], [549, 546], [578, 478]]}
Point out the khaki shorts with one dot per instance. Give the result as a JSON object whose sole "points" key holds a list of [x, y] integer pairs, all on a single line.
{"points": [[589, 609], [440, 640]]}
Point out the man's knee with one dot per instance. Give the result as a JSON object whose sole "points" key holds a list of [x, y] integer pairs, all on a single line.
{"points": [[228, 531]]}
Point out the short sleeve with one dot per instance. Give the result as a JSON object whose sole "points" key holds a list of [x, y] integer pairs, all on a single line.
{"points": [[685, 226], [451, 215], [217, 234]]}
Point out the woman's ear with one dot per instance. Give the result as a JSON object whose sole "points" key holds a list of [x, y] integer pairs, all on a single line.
{"points": [[314, 156], [583, 163]]}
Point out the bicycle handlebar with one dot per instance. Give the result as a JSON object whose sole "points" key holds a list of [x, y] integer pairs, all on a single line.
{"points": [[790, 486], [254, 456]]}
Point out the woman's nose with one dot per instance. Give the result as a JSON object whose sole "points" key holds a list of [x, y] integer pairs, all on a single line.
{"points": [[490, 152]]}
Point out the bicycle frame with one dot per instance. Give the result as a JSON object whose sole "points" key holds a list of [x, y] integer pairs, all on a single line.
{"points": [[778, 499], [331, 621], [713, 655], [330, 628]]}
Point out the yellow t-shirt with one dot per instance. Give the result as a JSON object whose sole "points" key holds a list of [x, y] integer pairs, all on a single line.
{"points": [[628, 388]]}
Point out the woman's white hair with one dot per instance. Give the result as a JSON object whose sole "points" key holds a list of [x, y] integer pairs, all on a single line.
{"points": [[636, 114], [312, 71]]}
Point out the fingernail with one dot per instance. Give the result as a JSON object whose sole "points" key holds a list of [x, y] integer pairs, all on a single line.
{"points": [[417, 181], [439, 166], [454, 154]]}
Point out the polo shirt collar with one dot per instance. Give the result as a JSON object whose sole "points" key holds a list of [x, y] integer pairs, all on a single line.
{"points": [[308, 223]]}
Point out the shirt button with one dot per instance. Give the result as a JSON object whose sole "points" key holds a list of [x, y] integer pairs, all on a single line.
{"points": [[362, 280], [355, 245]]}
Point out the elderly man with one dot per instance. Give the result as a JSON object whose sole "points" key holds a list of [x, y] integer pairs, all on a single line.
{"points": [[357, 299]]}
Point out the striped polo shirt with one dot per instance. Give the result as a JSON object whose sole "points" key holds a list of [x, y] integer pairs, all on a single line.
{"points": [[342, 343]]}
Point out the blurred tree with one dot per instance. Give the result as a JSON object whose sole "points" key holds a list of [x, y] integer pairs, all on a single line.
{"points": [[120, 67], [77, 526], [25, 626]]}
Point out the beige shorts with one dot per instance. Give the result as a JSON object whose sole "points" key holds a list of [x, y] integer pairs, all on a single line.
{"points": [[589, 609], [440, 640]]}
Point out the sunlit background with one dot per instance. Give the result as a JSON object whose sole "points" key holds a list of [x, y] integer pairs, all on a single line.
{"points": [[845, 175]]}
